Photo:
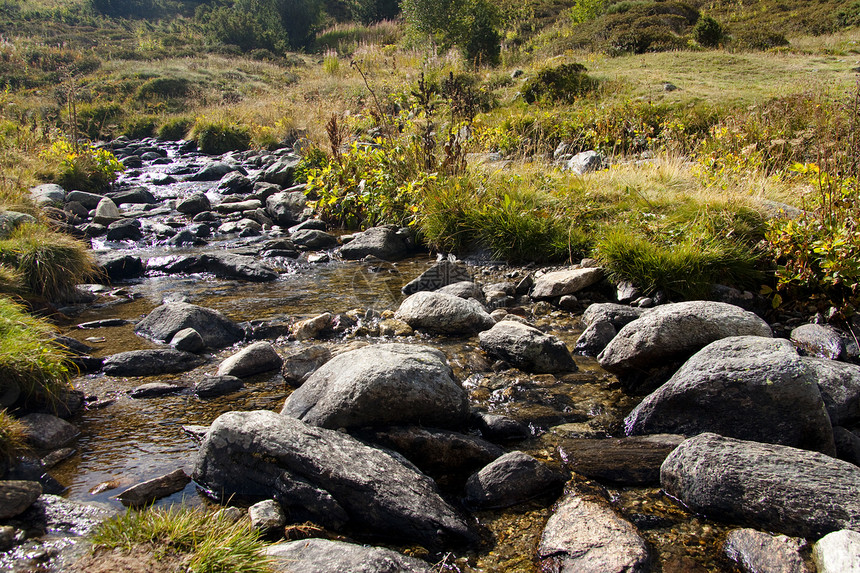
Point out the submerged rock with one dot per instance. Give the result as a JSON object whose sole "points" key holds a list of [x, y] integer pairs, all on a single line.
{"points": [[629, 461], [211, 386], [145, 493]]}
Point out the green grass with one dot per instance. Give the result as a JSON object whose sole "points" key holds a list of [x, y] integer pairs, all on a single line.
{"points": [[207, 544], [13, 440]]}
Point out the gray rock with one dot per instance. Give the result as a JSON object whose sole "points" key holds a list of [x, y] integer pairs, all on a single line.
{"points": [[312, 327], [121, 266], [267, 516], [746, 387], [106, 212], [381, 242], [443, 314], [628, 461], [155, 390], [48, 194], [569, 281], [136, 195], [11, 220], [326, 556], [498, 427], [781, 489], [16, 496], [88, 200], [838, 552], [674, 331], [235, 182], [759, 552], [584, 535], [194, 204], [527, 348], [124, 229], [511, 479], [213, 171], [151, 362], [48, 432], [280, 173], [300, 364], [313, 239], [847, 445], [325, 476], [595, 338], [465, 289], [238, 206], [212, 386], [819, 340], [383, 384], [168, 319], [584, 162], [840, 388], [287, 207], [255, 359], [615, 314], [231, 266], [188, 340], [145, 493], [441, 274]]}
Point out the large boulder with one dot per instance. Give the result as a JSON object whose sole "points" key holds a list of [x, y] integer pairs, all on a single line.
{"points": [[674, 331], [746, 387], [511, 479], [779, 488], [151, 362], [382, 384], [584, 535], [527, 348], [325, 476], [569, 281], [381, 242], [168, 319], [441, 313], [232, 266], [194, 204], [441, 274], [280, 172], [327, 556], [255, 359], [287, 207]]}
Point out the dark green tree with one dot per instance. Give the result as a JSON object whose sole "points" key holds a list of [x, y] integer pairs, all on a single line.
{"points": [[472, 25], [370, 11]]}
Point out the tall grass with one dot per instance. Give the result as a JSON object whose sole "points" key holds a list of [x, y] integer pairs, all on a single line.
{"points": [[13, 439], [208, 544]]}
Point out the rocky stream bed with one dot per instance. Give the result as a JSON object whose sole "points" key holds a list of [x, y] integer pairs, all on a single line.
{"points": [[471, 415]]}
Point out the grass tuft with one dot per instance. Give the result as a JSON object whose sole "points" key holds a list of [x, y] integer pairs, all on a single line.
{"points": [[13, 440]]}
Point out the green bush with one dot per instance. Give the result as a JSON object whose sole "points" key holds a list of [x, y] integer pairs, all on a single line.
{"points": [[85, 168], [216, 138], [163, 88], [708, 32], [472, 25], [563, 83], [175, 129], [585, 10], [275, 25], [96, 120], [140, 127]]}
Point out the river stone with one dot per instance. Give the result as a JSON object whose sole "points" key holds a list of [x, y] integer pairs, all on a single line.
{"points": [[527, 348], [382, 384], [151, 362], [188, 340], [235, 182], [847, 445], [840, 388], [838, 552], [586, 536], [464, 289], [759, 552], [57, 515], [267, 516], [628, 461], [441, 274], [280, 173], [16, 496], [106, 212], [231, 266], [615, 314], [213, 171], [300, 364], [287, 207], [11, 220], [326, 476], [48, 432], [154, 390], [673, 331], [121, 266], [124, 229], [819, 340], [746, 387], [194, 204], [312, 327], [211, 386], [326, 556], [381, 242], [569, 281], [595, 338], [255, 359], [394, 327], [443, 314], [779, 488], [168, 319], [48, 194], [238, 206], [511, 479], [313, 239], [498, 427], [136, 195], [145, 493]]}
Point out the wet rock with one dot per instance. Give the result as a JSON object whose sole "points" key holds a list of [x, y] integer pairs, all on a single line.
{"points": [[441, 274], [838, 552], [595, 338], [267, 516], [615, 314], [383, 384], [188, 340], [194, 204], [212, 386], [124, 230], [627, 461], [325, 476], [287, 208], [230, 266], [526, 348], [151, 362], [255, 359], [311, 239], [584, 535], [840, 388], [569, 281], [280, 173], [145, 493], [213, 171], [465, 289], [746, 387], [325, 556], [511, 479], [7, 537], [443, 314], [155, 390], [847, 445], [48, 194], [437, 452], [175, 264], [48, 432], [267, 329], [759, 552], [819, 340], [136, 195], [16, 496], [497, 427], [673, 331], [106, 212], [300, 364], [394, 327], [235, 182], [781, 489], [312, 327], [381, 242], [88, 200], [168, 319], [54, 514], [238, 206], [119, 266]]}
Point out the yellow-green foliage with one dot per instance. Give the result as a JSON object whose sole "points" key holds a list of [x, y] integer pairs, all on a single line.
{"points": [[84, 167], [12, 438], [208, 544], [216, 137]]}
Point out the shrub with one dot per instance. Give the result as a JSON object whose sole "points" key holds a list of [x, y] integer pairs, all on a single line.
{"points": [[471, 25], [175, 129], [94, 120], [140, 127], [370, 11], [585, 10], [163, 88], [563, 83], [85, 168], [759, 39], [708, 32], [215, 138]]}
